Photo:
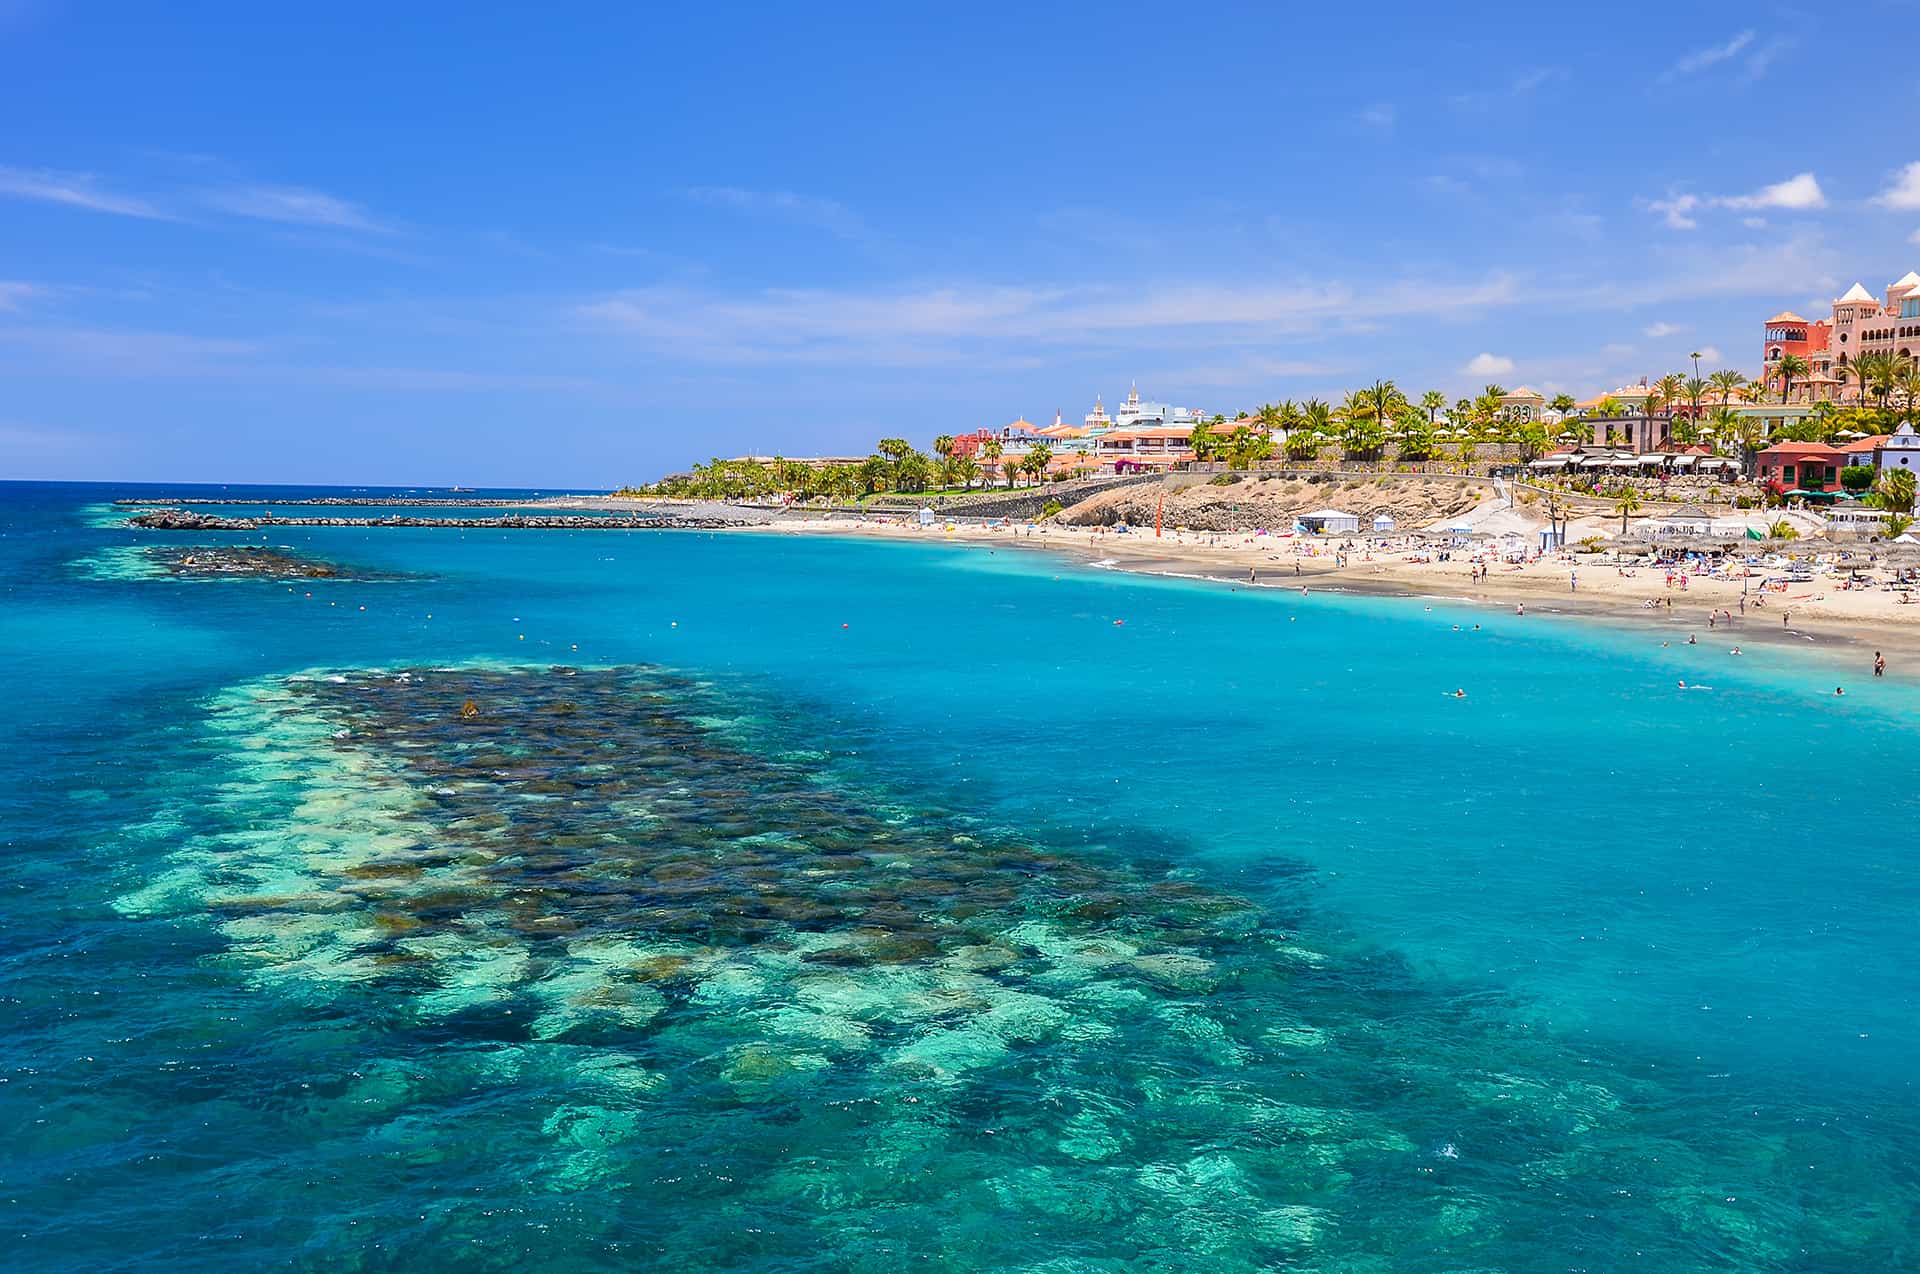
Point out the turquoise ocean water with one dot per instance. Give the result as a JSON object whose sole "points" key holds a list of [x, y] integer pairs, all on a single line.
{"points": [[856, 906]]}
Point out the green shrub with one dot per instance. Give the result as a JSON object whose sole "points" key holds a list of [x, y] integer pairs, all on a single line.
{"points": [[1858, 477], [1049, 509], [1224, 480]]}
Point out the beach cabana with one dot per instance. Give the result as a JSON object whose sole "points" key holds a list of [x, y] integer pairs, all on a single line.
{"points": [[926, 516], [1382, 522], [1330, 522]]}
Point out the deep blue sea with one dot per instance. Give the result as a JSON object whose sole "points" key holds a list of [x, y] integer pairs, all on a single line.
{"points": [[645, 900]]}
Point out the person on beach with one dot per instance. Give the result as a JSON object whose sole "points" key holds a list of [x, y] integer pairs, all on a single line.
{"points": [[1879, 664], [1573, 581]]}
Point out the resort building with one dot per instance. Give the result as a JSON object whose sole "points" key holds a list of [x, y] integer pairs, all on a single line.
{"points": [[1860, 324], [1901, 450], [1801, 467], [1523, 406], [1136, 450], [1134, 414]]}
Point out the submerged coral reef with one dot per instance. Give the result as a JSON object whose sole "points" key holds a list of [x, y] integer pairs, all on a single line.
{"points": [[771, 1011]]}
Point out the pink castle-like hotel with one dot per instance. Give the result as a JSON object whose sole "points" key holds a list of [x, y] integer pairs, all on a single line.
{"points": [[1860, 324]]}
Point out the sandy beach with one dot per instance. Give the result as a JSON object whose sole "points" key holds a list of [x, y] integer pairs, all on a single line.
{"points": [[1814, 616]]}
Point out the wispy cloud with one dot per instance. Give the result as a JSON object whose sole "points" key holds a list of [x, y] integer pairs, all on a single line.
{"points": [[1798, 193], [75, 190], [291, 205], [1712, 55], [1380, 115], [1487, 365], [1744, 50], [807, 210], [1659, 331], [1903, 192], [122, 351], [14, 295], [959, 323], [1709, 353]]}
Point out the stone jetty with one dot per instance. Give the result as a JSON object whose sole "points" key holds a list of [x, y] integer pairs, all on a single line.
{"points": [[719, 520]]}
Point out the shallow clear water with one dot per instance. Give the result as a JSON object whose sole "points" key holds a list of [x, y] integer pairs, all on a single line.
{"points": [[865, 904]]}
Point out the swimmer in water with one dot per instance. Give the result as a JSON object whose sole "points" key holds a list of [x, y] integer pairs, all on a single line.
{"points": [[1734, 651], [1691, 641], [1838, 691], [1460, 694]]}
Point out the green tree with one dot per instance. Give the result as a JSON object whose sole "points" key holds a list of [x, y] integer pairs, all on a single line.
{"points": [[1416, 436], [1908, 383], [1857, 477], [1038, 457], [1206, 444], [943, 446], [1782, 530], [1626, 506], [1896, 490], [966, 469], [1728, 384], [1897, 525], [1433, 402], [1011, 468], [1789, 368]]}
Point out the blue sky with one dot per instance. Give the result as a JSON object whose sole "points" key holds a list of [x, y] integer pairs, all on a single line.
{"points": [[425, 244]]}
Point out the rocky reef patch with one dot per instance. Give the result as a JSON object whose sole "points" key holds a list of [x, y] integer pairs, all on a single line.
{"points": [[645, 936]]}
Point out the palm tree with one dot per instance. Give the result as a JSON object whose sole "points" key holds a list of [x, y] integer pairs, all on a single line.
{"points": [[1039, 456], [1562, 403], [990, 452], [1782, 530], [1672, 387], [1011, 468], [966, 470], [1433, 402], [1268, 417], [943, 446], [1908, 383], [1204, 442], [1728, 383], [1626, 506], [1896, 490], [896, 451], [1789, 366]]}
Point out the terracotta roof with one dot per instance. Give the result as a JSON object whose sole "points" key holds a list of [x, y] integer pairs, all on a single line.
{"points": [[1866, 444], [1788, 316]]}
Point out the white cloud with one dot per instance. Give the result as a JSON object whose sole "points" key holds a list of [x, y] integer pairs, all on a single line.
{"points": [[75, 190], [1798, 193], [1678, 210], [1380, 115], [1754, 223], [1656, 331], [1712, 55], [1709, 353], [955, 323], [1488, 365], [12, 294], [1914, 237], [290, 205], [809, 210], [1904, 193]]}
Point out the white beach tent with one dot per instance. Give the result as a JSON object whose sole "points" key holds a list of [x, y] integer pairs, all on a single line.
{"points": [[926, 516], [1331, 522], [1383, 522]]}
